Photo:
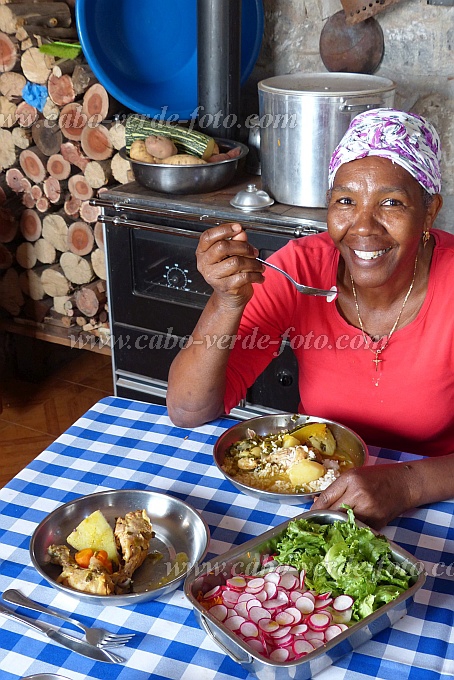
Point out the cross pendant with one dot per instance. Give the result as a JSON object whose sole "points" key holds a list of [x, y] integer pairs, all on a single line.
{"points": [[377, 361]]}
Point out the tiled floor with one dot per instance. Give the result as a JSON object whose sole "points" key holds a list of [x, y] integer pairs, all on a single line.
{"points": [[34, 414]]}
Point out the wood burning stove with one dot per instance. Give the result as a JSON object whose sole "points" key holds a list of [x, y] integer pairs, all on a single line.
{"points": [[156, 293]]}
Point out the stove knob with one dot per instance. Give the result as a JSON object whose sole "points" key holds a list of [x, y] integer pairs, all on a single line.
{"points": [[285, 378]]}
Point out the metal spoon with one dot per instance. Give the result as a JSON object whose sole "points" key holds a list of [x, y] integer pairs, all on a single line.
{"points": [[330, 294]]}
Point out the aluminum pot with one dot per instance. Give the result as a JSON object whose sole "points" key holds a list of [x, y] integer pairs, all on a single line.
{"points": [[303, 116]]}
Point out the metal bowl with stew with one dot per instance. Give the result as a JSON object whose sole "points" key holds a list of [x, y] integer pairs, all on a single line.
{"points": [[179, 541], [287, 458]]}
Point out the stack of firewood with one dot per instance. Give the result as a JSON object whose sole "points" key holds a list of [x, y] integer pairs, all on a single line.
{"points": [[54, 158]]}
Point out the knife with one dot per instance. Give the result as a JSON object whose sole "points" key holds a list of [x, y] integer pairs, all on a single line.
{"points": [[64, 639]]}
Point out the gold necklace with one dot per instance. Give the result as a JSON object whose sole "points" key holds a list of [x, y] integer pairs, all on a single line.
{"points": [[376, 360]]}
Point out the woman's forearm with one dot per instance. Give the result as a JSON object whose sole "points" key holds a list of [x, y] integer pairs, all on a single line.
{"points": [[197, 376], [431, 479]]}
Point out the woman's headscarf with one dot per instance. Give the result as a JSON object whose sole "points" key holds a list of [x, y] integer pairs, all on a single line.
{"points": [[405, 138]]}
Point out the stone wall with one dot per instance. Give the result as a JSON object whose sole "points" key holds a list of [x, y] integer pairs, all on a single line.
{"points": [[419, 58]]}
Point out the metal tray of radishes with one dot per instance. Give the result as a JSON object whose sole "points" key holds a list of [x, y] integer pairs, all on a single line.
{"points": [[302, 595]]}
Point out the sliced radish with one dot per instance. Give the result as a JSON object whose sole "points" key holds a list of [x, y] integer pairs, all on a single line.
{"points": [[305, 605], [266, 559], [262, 596], [296, 613], [250, 604], [289, 581], [285, 618], [272, 577], [214, 592], [315, 635], [219, 611], [249, 629], [317, 643], [332, 631], [299, 629], [295, 594], [234, 622], [309, 594], [236, 582], [319, 621], [301, 647], [256, 583], [230, 597], [302, 577], [256, 645], [268, 625], [284, 641], [279, 655], [342, 602], [342, 626], [281, 632], [245, 596], [241, 609], [256, 614], [322, 603], [324, 596], [286, 569], [270, 589]]}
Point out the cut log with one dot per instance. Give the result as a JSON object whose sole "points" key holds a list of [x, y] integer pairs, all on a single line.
{"points": [[98, 232], [21, 137], [58, 33], [59, 302], [98, 262], [45, 251], [47, 14], [55, 282], [33, 163], [55, 230], [36, 192], [95, 142], [89, 299], [11, 297], [36, 66], [8, 153], [6, 257], [61, 89], [72, 153], [30, 283], [26, 114], [95, 104], [9, 226], [51, 111], [58, 167], [30, 225], [47, 136], [89, 213], [80, 238], [8, 53], [28, 201], [7, 112], [117, 135], [52, 190], [77, 269], [11, 83], [25, 255], [79, 187], [42, 204], [72, 121], [55, 319], [83, 78], [98, 173], [26, 184], [14, 178], [121, 169], [71, 206]]}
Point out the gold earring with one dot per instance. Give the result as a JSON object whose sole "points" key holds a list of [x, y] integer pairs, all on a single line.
{"points": [[425, 237]]}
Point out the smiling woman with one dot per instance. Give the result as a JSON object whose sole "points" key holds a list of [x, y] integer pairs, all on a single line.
{"points": [[381, 359]]}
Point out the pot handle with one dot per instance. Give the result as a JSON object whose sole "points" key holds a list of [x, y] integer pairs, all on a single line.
{"points": [[209, 632], [358, 105]]}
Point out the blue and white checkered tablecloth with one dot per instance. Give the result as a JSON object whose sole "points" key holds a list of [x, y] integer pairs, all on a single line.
{"points": [[121, 444]]}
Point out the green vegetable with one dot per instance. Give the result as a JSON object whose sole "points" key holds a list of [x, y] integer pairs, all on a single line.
{"points": [[186, 141], [344, 559], [61, 49]]}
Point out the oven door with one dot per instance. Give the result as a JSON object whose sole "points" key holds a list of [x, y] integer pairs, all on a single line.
{"points": [[156, 296]]}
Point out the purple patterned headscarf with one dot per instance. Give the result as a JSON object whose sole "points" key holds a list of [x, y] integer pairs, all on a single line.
{"points": [[405, 138]]}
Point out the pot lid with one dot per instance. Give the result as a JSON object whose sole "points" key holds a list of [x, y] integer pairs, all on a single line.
{"points": [[326, 84], [251, 198]]}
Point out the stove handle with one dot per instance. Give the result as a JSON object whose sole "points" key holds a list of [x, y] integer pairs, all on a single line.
{"points": [[120, 221]]}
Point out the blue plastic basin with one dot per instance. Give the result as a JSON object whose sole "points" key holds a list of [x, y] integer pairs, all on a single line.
{"points": [[144, 52]]}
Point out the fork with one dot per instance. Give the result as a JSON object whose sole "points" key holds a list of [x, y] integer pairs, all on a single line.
{"points": [[99, 637], [330, 294]]}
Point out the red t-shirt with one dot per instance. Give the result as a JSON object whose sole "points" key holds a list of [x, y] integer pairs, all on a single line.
{"points": [[412, 407]]}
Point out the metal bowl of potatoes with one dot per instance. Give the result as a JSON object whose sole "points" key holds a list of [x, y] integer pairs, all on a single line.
{"points": [[257, 473], [189, 179], [180, 540]]}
